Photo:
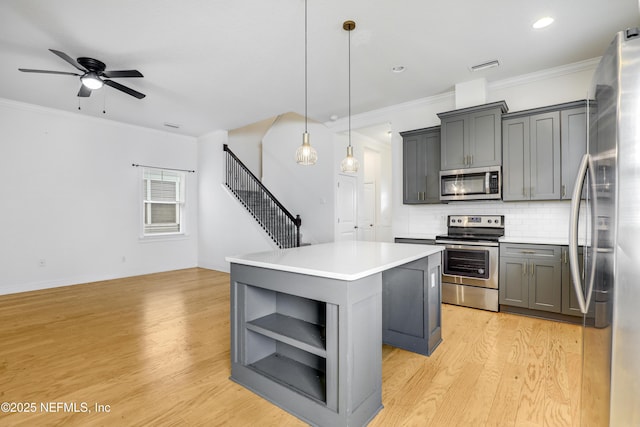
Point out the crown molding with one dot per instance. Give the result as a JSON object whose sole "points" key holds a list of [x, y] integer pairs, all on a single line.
{"points": [[380, 115], [576, 67]]}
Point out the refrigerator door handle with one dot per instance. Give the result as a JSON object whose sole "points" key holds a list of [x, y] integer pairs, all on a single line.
{"points": [[586, 166]]}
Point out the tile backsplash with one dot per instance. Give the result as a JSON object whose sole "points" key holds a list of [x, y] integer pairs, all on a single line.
{"points": [[522, 219]]}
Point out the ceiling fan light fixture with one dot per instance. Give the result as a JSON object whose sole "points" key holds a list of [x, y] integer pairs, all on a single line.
{"points": [[91, 80]]}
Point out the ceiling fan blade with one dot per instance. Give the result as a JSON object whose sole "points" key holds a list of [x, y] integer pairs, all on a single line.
{"points": [[124, 89], [122, 73], [29, 70], [84, 91], [67, 58]]}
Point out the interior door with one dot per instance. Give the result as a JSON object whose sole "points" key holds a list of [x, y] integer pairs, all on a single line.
{"points": [[347, 208], [367, 230]]}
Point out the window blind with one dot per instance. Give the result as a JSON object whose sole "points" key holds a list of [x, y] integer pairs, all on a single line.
{"points": [[163, 201]]}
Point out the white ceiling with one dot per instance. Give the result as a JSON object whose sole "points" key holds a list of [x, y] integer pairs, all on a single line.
{"points": [[213, 64]]}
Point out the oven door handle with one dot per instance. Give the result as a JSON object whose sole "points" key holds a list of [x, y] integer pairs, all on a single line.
{"points": [[463, 243]]}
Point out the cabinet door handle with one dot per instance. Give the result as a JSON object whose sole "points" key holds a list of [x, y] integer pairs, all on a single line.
{"points": [[470, 159], [564, 256], [564, 190], [524, 268], [533, 272]]}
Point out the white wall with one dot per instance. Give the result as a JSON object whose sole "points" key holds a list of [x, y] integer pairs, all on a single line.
{"points": [[304, 190], [549, 87], [246, 143], [70, 197], [225, 227]]}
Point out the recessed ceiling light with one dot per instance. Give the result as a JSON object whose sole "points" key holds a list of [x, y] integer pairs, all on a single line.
{"points": [[398, 69], [543, 22]]}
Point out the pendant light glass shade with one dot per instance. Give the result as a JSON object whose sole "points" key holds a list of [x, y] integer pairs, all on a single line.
{"points": [[349, 164], [306, 154]]}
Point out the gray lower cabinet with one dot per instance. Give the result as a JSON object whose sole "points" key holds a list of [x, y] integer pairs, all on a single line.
{"points": [[531, 276], [471, 137], [411, 301], [311, 345], [421, 166]]}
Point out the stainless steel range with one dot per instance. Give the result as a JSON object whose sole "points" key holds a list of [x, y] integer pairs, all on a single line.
{"points": [[470, 260]]}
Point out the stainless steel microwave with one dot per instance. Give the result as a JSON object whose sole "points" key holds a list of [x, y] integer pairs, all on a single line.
{"points": [[471, 184]]}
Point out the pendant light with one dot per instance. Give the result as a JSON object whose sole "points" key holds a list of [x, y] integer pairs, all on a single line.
{"points": [[306, 154], [349, 164]]}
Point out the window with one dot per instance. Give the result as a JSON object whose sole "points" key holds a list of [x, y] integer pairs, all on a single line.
{"points": [[163, 201]]}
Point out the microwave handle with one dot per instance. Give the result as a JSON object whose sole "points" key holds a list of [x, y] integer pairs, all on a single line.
{"points": [[487, 180]]}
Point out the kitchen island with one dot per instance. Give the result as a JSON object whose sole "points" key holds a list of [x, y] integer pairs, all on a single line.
{"points": [[308, 323]]}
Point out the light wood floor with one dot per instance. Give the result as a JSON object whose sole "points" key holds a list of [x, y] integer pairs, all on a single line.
{"points": [[155, 349]]}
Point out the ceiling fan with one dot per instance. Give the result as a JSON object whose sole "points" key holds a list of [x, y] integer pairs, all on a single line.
{"points": [[93, 75]]}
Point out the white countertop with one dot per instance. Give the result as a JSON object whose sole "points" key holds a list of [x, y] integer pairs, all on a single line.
{"points": [[350, 260]]}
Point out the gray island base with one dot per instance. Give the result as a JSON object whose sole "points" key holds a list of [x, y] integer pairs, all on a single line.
{"points": [[307, 332]]}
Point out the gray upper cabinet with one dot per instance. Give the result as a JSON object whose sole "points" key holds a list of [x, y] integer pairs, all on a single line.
{"points": [[472, 137], [574, 145], [542, 149], [531, 167], [421, 166]]}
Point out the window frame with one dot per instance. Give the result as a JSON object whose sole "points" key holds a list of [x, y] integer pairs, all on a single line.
{"points": [[146, 202]]}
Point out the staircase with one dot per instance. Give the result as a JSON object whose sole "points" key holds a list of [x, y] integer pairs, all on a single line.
{"points": [[277, 221]]}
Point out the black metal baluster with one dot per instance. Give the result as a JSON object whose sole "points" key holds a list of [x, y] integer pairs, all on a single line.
{"points": [[268, 211]]}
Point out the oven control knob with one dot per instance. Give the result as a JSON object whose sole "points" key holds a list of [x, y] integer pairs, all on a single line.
{"points": [[481, 271], [459, 221], [489, 221]]}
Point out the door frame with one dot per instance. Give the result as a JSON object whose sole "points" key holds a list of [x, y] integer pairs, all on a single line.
{"points": [[355, 204]]}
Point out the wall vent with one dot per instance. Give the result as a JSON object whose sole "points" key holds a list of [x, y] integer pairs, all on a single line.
{"points": [[485, 65]]}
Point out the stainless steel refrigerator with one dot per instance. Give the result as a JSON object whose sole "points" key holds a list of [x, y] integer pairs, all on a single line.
{"points": [[605, 220]]}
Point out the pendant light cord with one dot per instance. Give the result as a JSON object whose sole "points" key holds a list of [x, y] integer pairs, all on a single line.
{"points": [[349, 88], [305, 66]]}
